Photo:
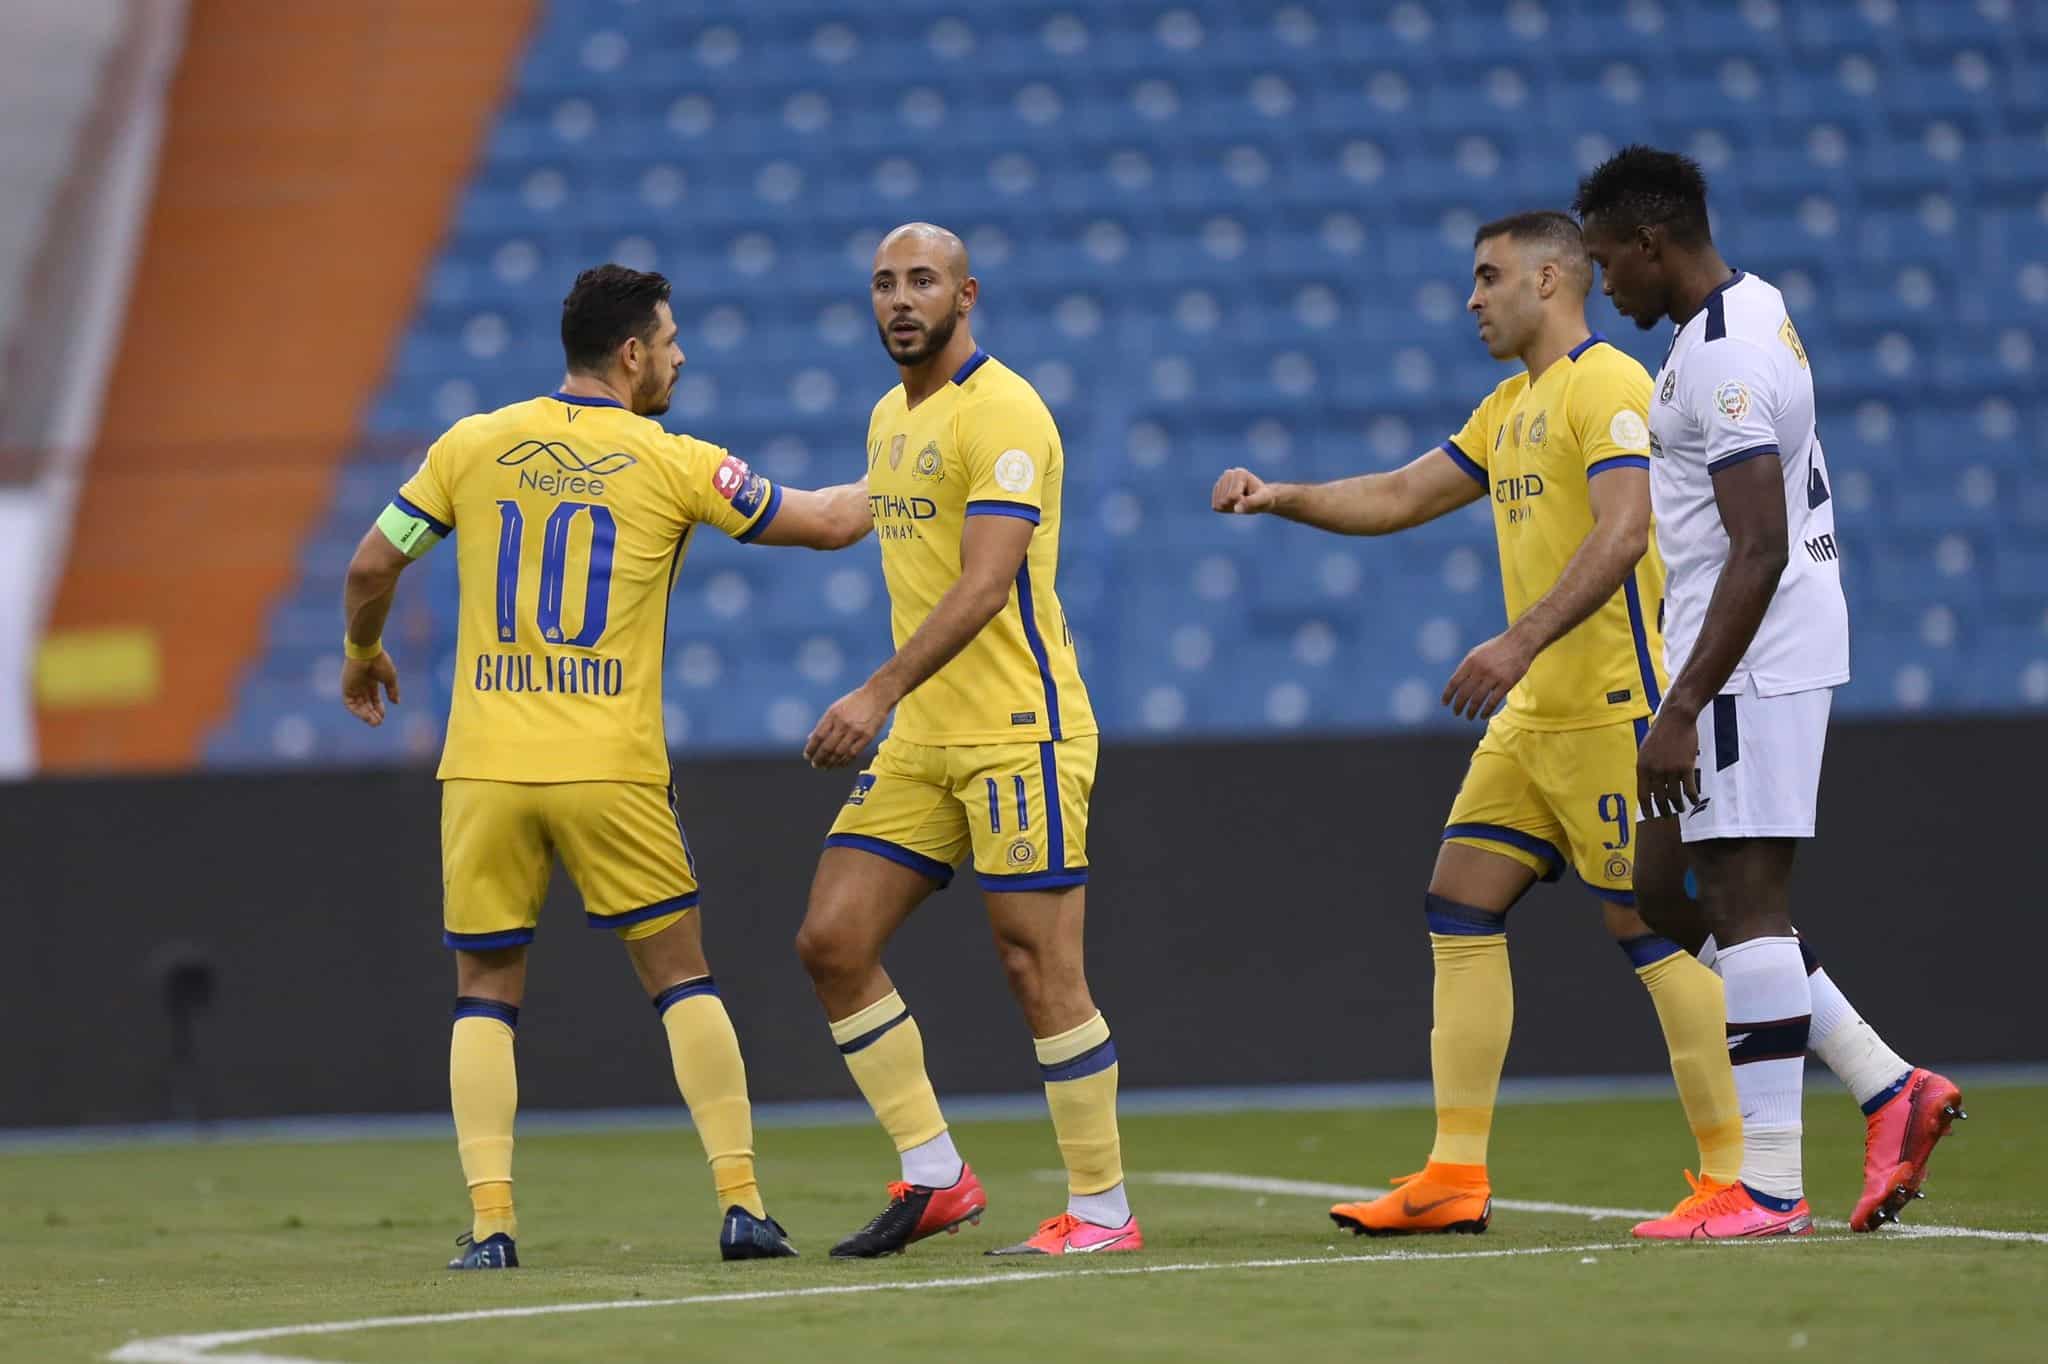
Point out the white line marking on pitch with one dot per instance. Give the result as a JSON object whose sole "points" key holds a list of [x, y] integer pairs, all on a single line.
{"points": [[198, 1349], [1211, 1179]]}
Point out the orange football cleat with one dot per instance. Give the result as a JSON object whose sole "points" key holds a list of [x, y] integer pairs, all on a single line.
{"points": [[1440, 1198], [1898, 1137]]}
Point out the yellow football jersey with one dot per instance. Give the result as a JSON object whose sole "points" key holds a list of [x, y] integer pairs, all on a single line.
{"points": [[984, 445], [574, 516], [1535, 447]]}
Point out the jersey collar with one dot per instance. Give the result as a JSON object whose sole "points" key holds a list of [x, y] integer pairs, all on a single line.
{"points": [[1591, 341], [580, 401], [974, 362]]}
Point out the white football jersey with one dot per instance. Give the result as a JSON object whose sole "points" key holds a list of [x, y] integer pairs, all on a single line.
{"points": [[1735, 386]]}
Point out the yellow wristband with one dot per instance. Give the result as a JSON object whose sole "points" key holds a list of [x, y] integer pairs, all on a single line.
{"points": [[362, 653]]}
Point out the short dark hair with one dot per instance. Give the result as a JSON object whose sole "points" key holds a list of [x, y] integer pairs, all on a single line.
{"points": [[1543, 225], [607, 305], [1641, 186]]}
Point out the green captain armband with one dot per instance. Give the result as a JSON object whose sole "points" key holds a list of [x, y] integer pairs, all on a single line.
{"points": [[411, 531]]}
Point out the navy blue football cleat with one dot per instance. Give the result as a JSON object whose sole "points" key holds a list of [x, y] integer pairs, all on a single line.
{"points": [[747, 1237], [493, 1252]]}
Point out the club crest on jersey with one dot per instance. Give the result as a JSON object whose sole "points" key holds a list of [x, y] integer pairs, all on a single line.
{"points": [[896, 450], [1670, 386], [1538, 429], [930, 465], [1731, 400]]}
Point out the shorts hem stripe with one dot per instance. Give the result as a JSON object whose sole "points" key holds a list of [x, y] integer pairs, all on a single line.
{"points": [[1033, 880], [893, 852], [1513, 838], [674, 905], [484, 942]]}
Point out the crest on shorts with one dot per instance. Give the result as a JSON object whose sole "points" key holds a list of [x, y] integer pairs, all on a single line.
{"points": [[896, 450], [1021, 853]]}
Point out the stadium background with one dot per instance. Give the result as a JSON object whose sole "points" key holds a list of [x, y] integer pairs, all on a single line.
{"points": [[255, 255]]}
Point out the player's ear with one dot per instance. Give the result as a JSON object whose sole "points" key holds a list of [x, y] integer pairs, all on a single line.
{"points": [[970, 290]]}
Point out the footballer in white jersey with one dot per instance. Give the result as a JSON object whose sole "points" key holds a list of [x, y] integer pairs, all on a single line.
{"points": [[1757, 636]]}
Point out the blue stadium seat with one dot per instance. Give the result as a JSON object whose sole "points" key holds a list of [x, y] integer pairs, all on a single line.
{"points": [[1233, 231]]}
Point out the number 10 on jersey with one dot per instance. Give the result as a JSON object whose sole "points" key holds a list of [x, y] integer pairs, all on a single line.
{"points": [[554, 561]]}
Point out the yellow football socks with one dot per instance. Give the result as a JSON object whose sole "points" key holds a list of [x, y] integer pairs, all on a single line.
{"points": [[706, 1054], [1693, 1011], [1475, 1012], [885, 1052], [1079, 1067], [483, 1090]]}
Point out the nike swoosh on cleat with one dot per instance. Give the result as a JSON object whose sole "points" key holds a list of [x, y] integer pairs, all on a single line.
{"points": [[1408, 1205], [1073, 1249]]}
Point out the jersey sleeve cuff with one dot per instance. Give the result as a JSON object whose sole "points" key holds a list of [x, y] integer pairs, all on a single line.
{"points": [[753, 532], [1464, 461], [1023, 511], [1617, 462], [1715, 466]]}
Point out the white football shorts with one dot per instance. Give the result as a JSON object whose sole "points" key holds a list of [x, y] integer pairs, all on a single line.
{"points": [[1760, 762]]}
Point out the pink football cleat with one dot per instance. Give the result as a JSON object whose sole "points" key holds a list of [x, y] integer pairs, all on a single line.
{"points": [[1725, 1212], [1897, 1140], [1069, 1235]]}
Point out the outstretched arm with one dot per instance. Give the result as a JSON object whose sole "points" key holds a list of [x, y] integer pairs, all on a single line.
{"points": [[1370, 504], [829, 518], [992, 549], [1601, 564]]}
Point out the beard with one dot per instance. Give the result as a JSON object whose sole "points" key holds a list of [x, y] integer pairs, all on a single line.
{"points": [[653, 400], [935, 340]]}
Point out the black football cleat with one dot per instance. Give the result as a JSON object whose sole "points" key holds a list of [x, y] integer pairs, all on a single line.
{"points": [[916, 1211], [747, 1237], [493, 1252]]}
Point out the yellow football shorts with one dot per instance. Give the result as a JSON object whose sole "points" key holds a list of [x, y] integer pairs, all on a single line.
{"points": [[621, 842], [1022, 809], [1549, 800]]}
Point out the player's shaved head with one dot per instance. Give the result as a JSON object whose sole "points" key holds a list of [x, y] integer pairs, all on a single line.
{"points": [[1544, 236], [922, 292], [934, 245]]}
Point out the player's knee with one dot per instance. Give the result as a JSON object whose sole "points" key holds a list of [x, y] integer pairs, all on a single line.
{"points": [[827, 951], [1023, 968]]}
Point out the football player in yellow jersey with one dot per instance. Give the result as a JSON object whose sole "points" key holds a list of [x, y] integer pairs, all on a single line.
{"points": [[992, 754], [575, 511], [1562, 450]]}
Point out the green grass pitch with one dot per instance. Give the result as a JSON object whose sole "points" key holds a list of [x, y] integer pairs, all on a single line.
{"points": [[102, 1248]]}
